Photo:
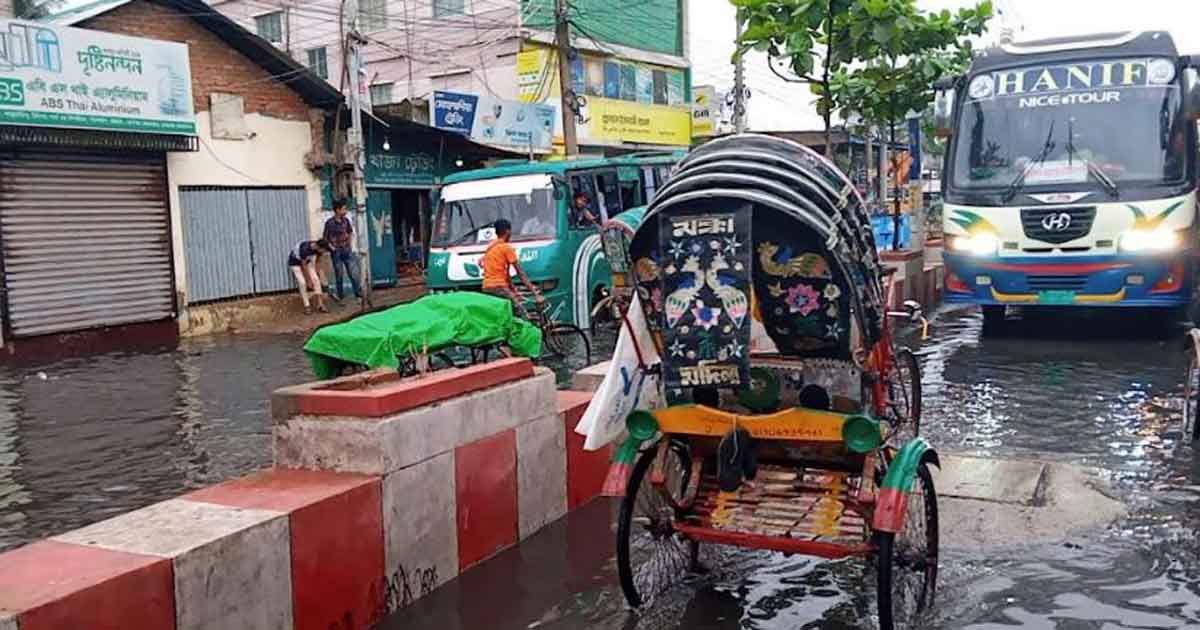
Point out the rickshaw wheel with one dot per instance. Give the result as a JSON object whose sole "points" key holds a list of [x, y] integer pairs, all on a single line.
{"points": [[651, 556], [906, 390], [1191, 398], [907, 561]]}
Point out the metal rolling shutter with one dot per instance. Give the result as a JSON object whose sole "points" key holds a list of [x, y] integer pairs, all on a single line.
{"points": [[86, 241]]}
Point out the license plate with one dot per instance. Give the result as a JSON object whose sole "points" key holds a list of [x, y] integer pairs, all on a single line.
{"points": [[1056, 297]]}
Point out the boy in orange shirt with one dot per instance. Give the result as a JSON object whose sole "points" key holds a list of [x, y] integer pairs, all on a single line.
{"points": [[495, 262]]}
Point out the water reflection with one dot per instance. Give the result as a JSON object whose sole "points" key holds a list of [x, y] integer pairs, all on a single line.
{"points": [[82, 439]]}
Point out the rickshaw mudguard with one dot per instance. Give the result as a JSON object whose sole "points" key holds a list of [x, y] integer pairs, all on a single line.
{"points": [[892, 502]]}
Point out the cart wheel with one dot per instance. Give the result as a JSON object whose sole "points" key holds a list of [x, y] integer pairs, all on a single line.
{"points": [[908, 560], [651, 557], [571, 343], [906, 391], [1191, 398]]}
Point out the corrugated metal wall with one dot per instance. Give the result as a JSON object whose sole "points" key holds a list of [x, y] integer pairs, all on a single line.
{"points": [[86, 240], [236, 240]]}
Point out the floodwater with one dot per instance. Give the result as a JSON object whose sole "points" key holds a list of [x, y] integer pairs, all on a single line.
{"points": [[1074, 390], [85, 439]]}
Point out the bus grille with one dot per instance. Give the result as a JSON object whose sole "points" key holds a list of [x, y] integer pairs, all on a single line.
{"points": [[1056, 283], [1035, 222]]}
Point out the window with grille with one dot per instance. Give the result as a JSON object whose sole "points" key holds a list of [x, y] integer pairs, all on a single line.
{"points": [[318, 62], [372, 15], [270, 27], [381, 93], [442, 8]]}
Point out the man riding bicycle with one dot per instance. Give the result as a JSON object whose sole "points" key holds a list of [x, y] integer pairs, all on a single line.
{"points": [[496, 261]]}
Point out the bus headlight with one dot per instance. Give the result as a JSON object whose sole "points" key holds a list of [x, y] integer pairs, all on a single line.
{"points": [[977, 244], [1155, 240]]}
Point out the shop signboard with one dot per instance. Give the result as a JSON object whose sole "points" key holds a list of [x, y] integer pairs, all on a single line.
{"points": [[58, 76], [494, 121]]}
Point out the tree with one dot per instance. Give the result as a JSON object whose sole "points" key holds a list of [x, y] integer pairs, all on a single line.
{"points": [[808, 37], [35, 9], [903, 52]]}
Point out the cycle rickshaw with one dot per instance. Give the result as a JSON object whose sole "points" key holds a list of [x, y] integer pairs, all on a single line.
{"points": [[788, 418]]}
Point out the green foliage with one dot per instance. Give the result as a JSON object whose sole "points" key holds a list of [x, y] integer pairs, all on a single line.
{"points": [[902, 52], [35, 9]]}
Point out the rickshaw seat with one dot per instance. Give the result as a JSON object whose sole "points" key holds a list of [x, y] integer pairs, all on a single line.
{"points": [[793, 424]]}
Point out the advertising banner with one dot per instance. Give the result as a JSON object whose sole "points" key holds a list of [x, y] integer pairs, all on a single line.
{"points": [[490, 120], [57, 76], [705, 110], [621, 121]]}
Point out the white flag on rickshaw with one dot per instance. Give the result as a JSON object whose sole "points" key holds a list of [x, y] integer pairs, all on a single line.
{"points": [[626, 385]]}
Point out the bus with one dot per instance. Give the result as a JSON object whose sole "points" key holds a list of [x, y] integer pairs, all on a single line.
{"points": [[1070, 175], [558, 248]]}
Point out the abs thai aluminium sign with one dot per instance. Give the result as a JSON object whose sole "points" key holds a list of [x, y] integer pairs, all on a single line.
{"points": [[57, 76], [1083, 83]]}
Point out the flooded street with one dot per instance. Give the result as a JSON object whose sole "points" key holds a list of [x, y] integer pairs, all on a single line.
{"points": [[84, 439], [1062, 391]]}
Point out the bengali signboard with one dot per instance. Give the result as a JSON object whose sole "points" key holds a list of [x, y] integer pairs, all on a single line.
{"points": [[56, 76], [490, 120], [620, 121], [401, 170], [705, 110]]}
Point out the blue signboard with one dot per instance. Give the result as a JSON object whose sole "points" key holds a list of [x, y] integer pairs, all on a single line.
{"points": [[455, 112]]}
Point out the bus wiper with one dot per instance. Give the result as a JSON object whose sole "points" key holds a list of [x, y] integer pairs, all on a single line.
{"points": [[471, 232], [1019, 181], [1092, 167]]}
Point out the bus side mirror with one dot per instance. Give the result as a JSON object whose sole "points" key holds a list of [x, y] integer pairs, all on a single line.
{"points": [[1191, 93], [943, 113]]}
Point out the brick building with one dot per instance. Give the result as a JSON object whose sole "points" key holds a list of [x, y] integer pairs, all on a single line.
{"points": [[6, 8], [179, 167]]}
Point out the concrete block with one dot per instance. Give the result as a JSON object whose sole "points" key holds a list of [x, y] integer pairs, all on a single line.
{"points": [[232, 566], [336, 540], [541, 474], [380, 447], [589, 378], [420, 534], [485, 484], [996, 480], [50, 585], [585, 469], [342, 445]]}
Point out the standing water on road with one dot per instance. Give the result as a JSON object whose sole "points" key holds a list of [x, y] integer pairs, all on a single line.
{"points": [[85, 439], [1064, 390]]}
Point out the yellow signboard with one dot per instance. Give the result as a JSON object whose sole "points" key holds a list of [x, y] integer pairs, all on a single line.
{"points": [[704, 104], [622, 121], [532, 66]]}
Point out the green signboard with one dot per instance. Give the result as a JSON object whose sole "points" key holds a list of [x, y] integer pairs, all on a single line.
{"points": [[415, 169], [57, 76]]}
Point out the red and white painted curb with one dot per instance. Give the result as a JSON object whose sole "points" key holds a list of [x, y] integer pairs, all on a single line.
{"points": [[395, 502]]}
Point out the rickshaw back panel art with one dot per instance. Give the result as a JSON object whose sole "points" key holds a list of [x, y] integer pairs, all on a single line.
{"points": [[705, 307]]}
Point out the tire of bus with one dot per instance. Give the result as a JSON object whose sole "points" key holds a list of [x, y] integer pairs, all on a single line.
{"points": [[993, 319]]}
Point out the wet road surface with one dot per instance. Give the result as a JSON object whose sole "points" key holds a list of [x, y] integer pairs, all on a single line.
{"points": [[85, 439], [1070, 389]]}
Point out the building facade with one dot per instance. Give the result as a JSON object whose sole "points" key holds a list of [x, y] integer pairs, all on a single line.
{"points": [[6, 8], [488, 68], [155, 159]]}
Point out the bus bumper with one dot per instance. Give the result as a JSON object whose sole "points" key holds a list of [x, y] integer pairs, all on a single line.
{"points": [[1117, 280]]}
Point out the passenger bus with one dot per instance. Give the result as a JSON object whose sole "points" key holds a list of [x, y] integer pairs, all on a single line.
{"points": [[558, 248], [1070, 176]]}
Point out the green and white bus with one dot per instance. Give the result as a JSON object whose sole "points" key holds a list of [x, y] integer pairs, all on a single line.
{"points": [[558, 248]]}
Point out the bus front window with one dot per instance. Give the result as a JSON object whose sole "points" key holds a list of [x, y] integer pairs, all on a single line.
{"points": [[470, 220]]}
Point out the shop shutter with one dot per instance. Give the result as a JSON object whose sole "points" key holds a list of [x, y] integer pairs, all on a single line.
{"points": [[86, 241]]}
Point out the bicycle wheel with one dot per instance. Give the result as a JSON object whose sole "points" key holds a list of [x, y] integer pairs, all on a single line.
{"points": [[651, 557], [1191, 397], [905, 389], [907, 561], [569, 343]]}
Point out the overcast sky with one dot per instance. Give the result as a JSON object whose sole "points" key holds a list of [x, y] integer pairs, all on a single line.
{"points": [[776, 105]]}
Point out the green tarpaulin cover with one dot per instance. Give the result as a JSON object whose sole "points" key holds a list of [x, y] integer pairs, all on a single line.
{"points": [[429, 324]]}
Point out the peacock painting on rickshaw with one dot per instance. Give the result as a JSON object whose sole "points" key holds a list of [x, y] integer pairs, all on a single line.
{"points": [[756, 392]]}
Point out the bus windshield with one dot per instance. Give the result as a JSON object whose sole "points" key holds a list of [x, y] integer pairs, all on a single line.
{"points": [[469, 211], [1134, 135]]}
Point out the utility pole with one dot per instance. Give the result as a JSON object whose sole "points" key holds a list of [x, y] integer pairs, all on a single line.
{"points": [[739, 86], [562, 41], [358, 150]]}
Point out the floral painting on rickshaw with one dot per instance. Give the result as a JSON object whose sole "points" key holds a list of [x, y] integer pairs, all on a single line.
{"points": [[705, 306]]}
